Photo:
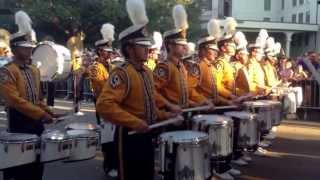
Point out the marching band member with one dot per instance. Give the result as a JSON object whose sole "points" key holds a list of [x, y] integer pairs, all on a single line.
{"points": [[154, 51], [20, 88], [171, 76], [243, 80], [255, 56], [128, 99], [224, 73], [208, 53], [98, 73], [75, 45]]}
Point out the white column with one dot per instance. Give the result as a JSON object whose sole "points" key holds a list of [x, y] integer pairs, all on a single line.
{"points": [[288, 42]]}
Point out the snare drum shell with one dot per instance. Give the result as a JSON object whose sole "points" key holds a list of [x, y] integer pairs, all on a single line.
{"points": [[55, 150], [190, 157], [17, 153], [249, 134], [220, 133], [83, 148], [264, 114]]}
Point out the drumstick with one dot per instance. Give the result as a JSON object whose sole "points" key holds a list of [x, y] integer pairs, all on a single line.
{"points": [[62, 118], [160, 124], [202, 108]]}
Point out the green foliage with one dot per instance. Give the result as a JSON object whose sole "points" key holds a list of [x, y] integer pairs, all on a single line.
{"points": [[57, 17]]}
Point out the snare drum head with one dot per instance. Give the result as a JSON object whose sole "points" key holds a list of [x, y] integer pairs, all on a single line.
{"points": [[16, 137], [256, 104], [212, 119], [184, 136], [79, 133], [240, 115], [82, 126], [54, 135]]}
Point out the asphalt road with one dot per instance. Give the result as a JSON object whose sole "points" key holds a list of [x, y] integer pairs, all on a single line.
{"points": [[294, 154]]}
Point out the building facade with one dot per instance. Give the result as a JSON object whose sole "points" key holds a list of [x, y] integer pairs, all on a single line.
{"points": [[294, 23]]}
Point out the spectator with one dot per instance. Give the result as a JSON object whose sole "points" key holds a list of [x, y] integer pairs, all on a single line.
{"points": [[299, 73], [286, 74]]}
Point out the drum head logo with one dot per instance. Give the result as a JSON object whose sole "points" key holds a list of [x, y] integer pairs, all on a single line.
{"points": [[115, 81]]}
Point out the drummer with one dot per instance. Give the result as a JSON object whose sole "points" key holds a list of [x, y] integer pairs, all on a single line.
{"points": [[20, 88], [128, 100], [170, 75]]}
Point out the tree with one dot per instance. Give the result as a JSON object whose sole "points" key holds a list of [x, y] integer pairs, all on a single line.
{"points": [[57, 18]]}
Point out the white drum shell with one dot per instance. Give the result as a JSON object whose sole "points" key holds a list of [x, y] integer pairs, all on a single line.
{"points": [[17, 153], [191, 156], [84, 146], [249, 134], [55, 145], [277, 112], [220, 131], [263, 111]]}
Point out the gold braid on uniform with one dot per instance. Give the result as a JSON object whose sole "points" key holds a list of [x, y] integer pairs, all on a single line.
{"points": [[183, 86], [149, 103]]}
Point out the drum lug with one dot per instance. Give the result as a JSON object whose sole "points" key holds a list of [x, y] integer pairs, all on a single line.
{"points": [[6, 147], [22, 147], [60, 147], [43, 146]]}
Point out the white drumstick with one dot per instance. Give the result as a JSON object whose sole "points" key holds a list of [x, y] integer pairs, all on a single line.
{"points": [[161, 124], [203, 108]]}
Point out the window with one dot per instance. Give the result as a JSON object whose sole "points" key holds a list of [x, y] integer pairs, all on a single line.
{"points": [[282, 19], [306, 39], [267, 5], [301, 2], [308, 17], [294, 18], [300, 18], [282, 4], [294, 3], [266, 19]]}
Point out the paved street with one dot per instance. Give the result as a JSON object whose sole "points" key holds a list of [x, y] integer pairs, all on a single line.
{"points": [[295, 153]]}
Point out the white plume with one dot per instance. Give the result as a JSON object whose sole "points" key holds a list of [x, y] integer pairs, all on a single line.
{"points": [[191, 47], [137, 12], [23, 21], [157, 37], [180, 17], [240, 40], [33, 36], [270, 43], [277, 48], [230, 25], [263, 34], [213, 28], [107, 32]]}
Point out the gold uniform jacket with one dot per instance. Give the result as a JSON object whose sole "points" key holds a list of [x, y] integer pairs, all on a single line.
{"points": [[14, 91], [243, 80], [271, 76], [257, 74], [171, 83], [98, 76], [225, 77], [128, 97]]}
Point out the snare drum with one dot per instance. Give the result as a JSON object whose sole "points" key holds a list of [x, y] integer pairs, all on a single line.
{"points": [[55, 145], [53, 61], [263, 111], [84, 145], [184, 155], [17, 149], [277, 112], [249, 134], [84, 126], [220, 131]]}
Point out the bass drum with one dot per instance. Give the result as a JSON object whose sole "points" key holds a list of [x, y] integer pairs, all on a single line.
{"points": [[53, 61]]}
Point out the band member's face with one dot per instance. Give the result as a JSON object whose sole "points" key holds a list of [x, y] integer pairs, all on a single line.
{"points": [[153, 54], [23, 53], [243, 58], [230, 48], [254, 52], [141, 53], [179, 50], [211, 55], [104, 54]]}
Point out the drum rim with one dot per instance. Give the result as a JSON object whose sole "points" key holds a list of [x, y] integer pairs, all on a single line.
{"points": [[197, 140], [217, 122], [252, 115]]}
